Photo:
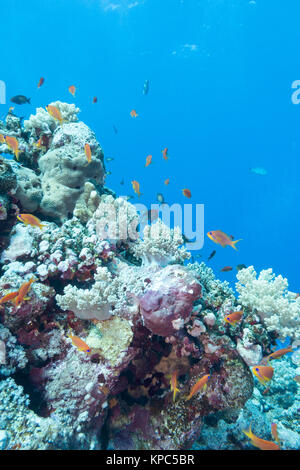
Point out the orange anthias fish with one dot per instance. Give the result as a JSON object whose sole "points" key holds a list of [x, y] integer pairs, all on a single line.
{"points": [[41, 81], [9, 297], [2, 139], [55, 113], [72, 90], [275, 432], [29, 219], [167, 181], [173, 383], [234, 317], [201, 384], [95, 99], [187, 193], [222, 239], [165, 153], [13, 144], [263, 373], [133, 113], [136, 187], [297, 379], [279, 353], [79, 343], [23, 291], [88, 153], [226, 269], [148, 160], [260, 443]]}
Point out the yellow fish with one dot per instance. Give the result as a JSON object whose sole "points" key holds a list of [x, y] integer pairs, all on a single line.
{"points": [[55, 113], [29, 219], [136, 187], [222, 239], [13, 144]]}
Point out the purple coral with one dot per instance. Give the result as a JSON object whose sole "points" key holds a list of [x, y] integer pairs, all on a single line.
{"points": [[168, 302]]}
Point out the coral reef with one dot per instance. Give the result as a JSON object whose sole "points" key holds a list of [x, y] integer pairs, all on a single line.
{"points": [[95, 317], [269, 297]]}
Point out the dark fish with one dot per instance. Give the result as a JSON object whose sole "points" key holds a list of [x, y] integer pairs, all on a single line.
{"points": [[186, 240], [146, 87], [20, 99], [212, 255], [149, 216], [160, 198], [232, 237], [122, 181], [241, 266], [115, 129]]}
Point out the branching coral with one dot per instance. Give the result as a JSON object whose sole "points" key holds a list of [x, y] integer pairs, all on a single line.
{"points": [[160, 245], [269, 296]]}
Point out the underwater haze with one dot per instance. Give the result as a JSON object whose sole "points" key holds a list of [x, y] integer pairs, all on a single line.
{"points": [[210, 89]]}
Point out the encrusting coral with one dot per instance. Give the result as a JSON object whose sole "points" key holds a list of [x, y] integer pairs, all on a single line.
{"points": [[110, 314]]}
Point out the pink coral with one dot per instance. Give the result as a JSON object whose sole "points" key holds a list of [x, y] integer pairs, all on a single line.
{"points": [[168, 303]]}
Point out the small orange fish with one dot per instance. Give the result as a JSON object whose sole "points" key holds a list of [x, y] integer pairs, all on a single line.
{"points": [[148, 160], [39, 143], [41, 81], [95, 99], [13, 144], [88, 153], [79, 343], [55, 113], [136, 187], [222, 239], [165, 153], [173, 383], [133, 113], [167, 181], [226, 269], [9, 297], [275, 432], [297, 378], [11, 109], [263, 373], [199, 385], [187, 193], [72, 90], [280, 352], [234, 317], [260, 443], [23, 291], [29, 219], [2, 139]]}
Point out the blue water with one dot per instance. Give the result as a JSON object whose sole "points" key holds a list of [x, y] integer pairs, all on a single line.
{"points": [[220, 74]]}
